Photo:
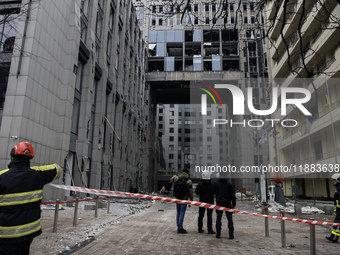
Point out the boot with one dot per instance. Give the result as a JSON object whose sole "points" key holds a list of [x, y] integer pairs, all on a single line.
{"points": [[231, 235], [218, 234], [212, 232], [330, 238], [333, 238]]}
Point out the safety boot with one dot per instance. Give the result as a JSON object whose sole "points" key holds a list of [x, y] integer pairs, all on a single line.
{"points": [[333, 238], [231, 235]]}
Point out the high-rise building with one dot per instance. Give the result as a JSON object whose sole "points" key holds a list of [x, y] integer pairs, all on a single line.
{"points": [[205, 41], [304, 52], [73, 84]]}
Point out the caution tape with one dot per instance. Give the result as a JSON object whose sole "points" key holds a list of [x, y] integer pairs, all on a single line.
{"points": [[188, 202]]}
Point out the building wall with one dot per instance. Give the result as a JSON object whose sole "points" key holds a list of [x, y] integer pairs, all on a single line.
{"points": [[79, 97], [314, 140]]}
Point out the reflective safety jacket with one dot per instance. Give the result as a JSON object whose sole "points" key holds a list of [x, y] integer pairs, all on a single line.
{"points": [[21, 191], [337, 199]]}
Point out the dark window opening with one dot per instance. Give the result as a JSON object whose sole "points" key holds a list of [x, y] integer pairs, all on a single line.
{"points": [[229, 50], [189, 64], [188, 36], [174, 50], [207, 65], [193, 50], [211, 49], [155, 65], [229, 35], [231, 65], [211, 35], [179, 65]]}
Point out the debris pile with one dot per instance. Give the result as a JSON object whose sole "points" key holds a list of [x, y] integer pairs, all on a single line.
{"points": [[274, 207]]}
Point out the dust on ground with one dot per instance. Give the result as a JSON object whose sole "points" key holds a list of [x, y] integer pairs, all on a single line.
{"points": [[68, 237]]}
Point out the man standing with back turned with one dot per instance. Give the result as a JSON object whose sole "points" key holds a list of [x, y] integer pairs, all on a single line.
{"points": [[182, 190], [205, 192], [21, 191], [225, 196]]}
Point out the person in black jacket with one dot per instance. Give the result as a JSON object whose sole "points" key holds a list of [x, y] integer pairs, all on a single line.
{"points": [[204, 191], [21, 191], [334, 237], [225, 196]]}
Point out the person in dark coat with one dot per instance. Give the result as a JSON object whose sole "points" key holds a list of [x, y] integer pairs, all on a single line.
{"points": [[206, 195], [224, 191], [334, 237]]}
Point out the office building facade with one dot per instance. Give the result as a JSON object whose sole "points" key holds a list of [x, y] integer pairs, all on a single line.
{"points": [[204, 42], [307, 48], [73, 84]]}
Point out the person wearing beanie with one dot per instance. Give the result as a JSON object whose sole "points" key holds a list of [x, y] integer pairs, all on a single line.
{"points": [[182, 189], [206, 195], [224, 191]]}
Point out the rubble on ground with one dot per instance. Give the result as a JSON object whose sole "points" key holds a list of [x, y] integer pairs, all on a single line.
{"points": [[274, 207], [69, 238]]}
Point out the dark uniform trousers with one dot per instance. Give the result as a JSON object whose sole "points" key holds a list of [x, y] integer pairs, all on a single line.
{"points": [[20, 248]]}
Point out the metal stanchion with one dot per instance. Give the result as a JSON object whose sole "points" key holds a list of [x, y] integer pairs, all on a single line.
{"points": [[96, 209], [108, 205], [56, 213], [312, 239], [75, 216], [283, 230], [266, 223]]}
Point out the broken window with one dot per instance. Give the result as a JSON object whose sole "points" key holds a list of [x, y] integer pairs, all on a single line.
{"points": [[211, 49], [152, 50], [193, 50], [231, 65], [229, 35], [229, 50], [211, 35], [155, 65], [174, 49], [189, 64], [207, 65], [178, 64], [193, 35]]}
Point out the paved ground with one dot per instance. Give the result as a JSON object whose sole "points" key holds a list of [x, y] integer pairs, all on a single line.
{"points": [[154, 231]]}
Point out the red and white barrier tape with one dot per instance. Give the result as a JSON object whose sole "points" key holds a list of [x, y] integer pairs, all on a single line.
{"points": [[178, 201]]}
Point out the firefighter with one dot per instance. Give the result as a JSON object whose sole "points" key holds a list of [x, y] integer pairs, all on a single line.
{"points": [[21, 191], [334, 237]]}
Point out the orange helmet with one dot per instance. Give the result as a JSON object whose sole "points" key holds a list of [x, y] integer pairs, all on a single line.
{"points": [[23, 149]]}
